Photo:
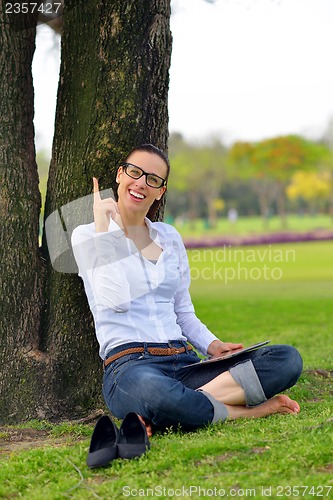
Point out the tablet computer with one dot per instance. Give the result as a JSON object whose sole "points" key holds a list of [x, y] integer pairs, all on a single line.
{"points": [[228, 355]]}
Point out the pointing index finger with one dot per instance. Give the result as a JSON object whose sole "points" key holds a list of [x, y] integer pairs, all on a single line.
{"points": [[97, 196]]}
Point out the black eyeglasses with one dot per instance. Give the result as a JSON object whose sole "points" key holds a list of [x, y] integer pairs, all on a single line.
{"points": [[152, 180]]}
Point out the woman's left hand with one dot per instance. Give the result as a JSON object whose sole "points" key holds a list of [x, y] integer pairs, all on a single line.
{"points": [[219, 348]]}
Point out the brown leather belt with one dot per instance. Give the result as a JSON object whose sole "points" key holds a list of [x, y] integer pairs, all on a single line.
{"points": [[155, 351]]}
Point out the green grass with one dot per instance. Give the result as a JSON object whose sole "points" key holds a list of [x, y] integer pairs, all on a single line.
{"points": [[245, 458], [285, 271], [254, 225]]}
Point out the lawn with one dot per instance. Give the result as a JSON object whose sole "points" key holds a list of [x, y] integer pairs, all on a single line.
{"points": [[279, 456], [252, 225]]}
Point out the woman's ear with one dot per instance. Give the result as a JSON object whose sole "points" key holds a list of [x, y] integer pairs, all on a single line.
{"points": [[119, 172], [162, 191]]}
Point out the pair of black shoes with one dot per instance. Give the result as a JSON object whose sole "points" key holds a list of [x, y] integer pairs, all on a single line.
{"points": [[108, 442]]}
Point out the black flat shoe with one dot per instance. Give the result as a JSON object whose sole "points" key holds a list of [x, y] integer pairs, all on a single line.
{"points": [[133, 439], [103, 446]]}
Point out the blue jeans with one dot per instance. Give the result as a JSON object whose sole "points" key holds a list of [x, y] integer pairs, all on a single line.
{"points": [[157, 388]]}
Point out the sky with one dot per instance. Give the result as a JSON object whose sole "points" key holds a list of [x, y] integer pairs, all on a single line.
{"points": [[240, 70]]}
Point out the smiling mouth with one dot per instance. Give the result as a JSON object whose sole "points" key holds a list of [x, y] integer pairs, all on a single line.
{"points": [[136, 195]]}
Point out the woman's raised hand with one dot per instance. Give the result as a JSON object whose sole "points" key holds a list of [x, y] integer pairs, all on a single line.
{"points": [[103, 209]]}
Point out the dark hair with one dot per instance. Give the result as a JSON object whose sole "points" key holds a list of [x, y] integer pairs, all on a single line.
{"points": [[150, 148]]}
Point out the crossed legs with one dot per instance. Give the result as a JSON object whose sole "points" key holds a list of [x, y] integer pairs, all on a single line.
{"points": [[248, 389], [227, 391]]}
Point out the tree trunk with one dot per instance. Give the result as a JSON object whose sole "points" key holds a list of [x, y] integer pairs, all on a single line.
{"points": [[210, 200], [193, 208], [20, 264], [281, 206], [112, 97], [260, 188]]}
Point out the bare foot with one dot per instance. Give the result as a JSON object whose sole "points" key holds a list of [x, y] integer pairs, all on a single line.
{"points": [[278, 404], [147, 425]]}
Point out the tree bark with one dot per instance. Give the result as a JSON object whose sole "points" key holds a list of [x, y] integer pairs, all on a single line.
{"points": [[21, 271], [112, 97]]}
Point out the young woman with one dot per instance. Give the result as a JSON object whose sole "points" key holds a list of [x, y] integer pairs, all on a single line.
{"points": [[136, 277]]}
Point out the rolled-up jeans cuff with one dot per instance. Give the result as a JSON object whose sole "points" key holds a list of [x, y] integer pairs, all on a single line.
{"points": [[220, 410], [246, 376]]}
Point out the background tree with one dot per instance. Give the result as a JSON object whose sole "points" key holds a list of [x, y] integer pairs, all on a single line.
{"points": [[281, 157], [186, 180], [327, 140], [241, 158], [313, 187], [112, 96], [272, 162], [200, 170], [43, 163]]}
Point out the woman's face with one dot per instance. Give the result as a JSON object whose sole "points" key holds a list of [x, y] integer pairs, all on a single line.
{"points": [[135, 194]]}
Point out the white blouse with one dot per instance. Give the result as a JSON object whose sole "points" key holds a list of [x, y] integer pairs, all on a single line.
{"points": [[133, 299]]}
